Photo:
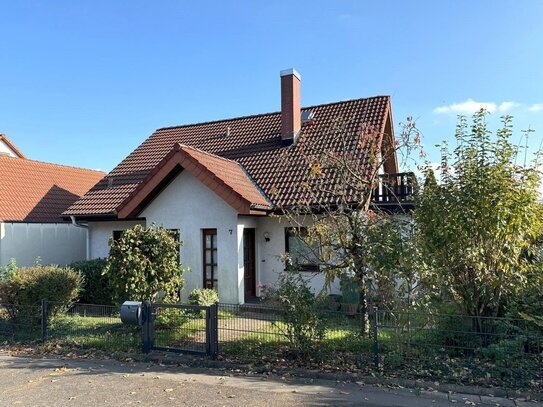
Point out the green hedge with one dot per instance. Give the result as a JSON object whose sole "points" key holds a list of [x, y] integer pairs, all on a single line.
{"points": [[96, 288], [29, 285]]}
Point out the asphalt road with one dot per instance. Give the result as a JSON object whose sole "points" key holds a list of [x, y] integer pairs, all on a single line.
{"points": [[36, 382]]}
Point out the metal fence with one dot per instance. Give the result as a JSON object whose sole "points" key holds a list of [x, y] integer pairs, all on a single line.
{"points": [[429, 346], [181, 328], [466, 349], [20, 323], [90, 326]]}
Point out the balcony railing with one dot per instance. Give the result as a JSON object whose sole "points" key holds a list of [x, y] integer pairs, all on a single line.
{"points": [[394, 189]]}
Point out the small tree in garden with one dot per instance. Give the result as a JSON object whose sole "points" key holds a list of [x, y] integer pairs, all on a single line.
{"points": [[301, 322], [479, 224], [144, 263], [342, 225], [394, 257]]}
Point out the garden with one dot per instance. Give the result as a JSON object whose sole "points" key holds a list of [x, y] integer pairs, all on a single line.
{"points": [[450, 292]]}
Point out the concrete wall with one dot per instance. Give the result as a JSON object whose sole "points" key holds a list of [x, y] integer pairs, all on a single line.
{"points": [[188, 205], [101, 232], [54, 243]]}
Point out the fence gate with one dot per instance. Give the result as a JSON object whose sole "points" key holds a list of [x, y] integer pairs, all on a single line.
{"points": [[180, 328]]}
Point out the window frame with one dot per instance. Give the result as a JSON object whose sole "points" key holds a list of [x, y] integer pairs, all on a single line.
{"points": [[298, 232], [214, 263]]}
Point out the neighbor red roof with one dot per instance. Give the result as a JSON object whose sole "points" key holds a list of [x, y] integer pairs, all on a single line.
{"points": [[254, 142], [34, 191], [11, 146]]}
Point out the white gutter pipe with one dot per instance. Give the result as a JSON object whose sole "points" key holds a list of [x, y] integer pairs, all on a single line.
{"points": [[86, 227]]}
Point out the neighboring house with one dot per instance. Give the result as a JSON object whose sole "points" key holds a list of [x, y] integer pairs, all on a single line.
{"points": [[218, 183], [33, 196]]}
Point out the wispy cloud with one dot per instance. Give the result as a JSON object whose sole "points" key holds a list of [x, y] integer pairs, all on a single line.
{"points": [[469, 106], [536, 107], [506, 106], [472, 106]]}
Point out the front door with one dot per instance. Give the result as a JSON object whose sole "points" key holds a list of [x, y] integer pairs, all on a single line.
{"points": [[249, 263]]}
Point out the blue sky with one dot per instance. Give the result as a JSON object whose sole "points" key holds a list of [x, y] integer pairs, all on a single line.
{"points": [[84, 82]]}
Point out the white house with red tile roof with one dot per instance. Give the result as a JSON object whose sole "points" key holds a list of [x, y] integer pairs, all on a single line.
{"points": [[219, 183], [33, 195]]}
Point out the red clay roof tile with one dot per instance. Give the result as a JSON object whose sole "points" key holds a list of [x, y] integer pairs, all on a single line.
{"points": [[252, 141], [34, 191]]}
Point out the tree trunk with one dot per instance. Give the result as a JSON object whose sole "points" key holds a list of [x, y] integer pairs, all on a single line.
{"points": [[363, 302]]}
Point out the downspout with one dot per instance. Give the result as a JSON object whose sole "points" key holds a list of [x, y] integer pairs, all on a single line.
{"points": [[86, 227]]}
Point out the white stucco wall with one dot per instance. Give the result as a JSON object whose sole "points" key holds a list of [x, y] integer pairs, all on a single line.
{"points": [[188, 205], [101, 232], [269, 263], [54, 243], [5, 149]]}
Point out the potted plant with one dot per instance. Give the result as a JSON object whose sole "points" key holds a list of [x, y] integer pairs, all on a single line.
{"points": [[350, 294]]}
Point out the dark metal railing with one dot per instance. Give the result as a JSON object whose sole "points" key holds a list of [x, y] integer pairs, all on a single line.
{"points": [[395, 188]]}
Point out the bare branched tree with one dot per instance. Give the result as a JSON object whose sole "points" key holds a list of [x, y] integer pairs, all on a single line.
{"points": [[335, 211]]}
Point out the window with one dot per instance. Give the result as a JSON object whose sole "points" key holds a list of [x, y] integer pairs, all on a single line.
{"points": [[209, 246], [302, 255]]}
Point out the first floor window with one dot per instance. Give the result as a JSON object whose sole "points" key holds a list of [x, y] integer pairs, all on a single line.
{"points": [[210, 258], [303, 255]]}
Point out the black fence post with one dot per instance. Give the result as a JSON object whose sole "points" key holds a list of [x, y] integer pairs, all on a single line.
{"points": [[43, 320], [213, 331], [209, 335], [148, 328], [375, 338]]}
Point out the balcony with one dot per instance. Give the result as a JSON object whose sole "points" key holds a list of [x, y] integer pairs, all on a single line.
{"points": [[395, 191]]}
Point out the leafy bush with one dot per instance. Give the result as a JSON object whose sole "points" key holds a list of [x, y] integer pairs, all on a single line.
{"points": [[144, 263], [302, 324], [204, 296], [96, 288], [29, 285], [170, 317], [8, 270]]}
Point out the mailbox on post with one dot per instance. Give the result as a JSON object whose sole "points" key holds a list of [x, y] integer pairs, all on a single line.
{"points": [[132, 313]]}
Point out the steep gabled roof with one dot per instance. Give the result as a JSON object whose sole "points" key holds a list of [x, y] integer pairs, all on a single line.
{"points": [[225, 177], [252, 141], [34, 191]]}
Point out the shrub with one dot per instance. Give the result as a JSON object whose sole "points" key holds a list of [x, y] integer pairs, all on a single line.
{"points": [[96, 288], [143, 263], [29, 285], [203, 296], [170, 317], [8, 270], [302, 324]]}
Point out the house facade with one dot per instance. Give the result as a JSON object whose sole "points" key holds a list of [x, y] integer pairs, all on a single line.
{"points": [[33, 195], [221, 184]]}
